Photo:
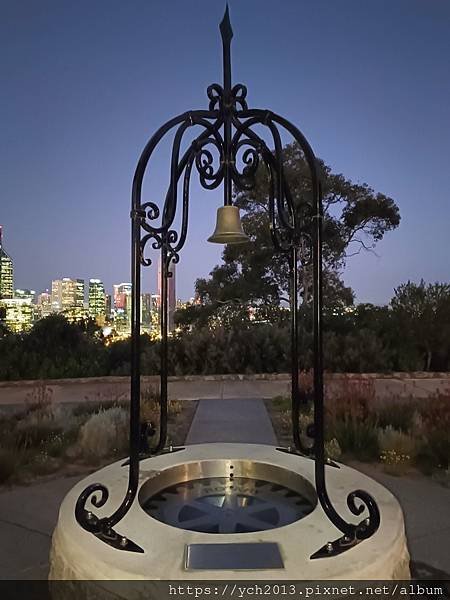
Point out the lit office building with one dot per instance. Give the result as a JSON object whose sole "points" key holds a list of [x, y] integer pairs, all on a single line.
{"points": [[6, 272], [122, 308], [97, 301], [67, 294], [44, 305], [25, 294], [68, 298], [122, 295], [19, 314]]}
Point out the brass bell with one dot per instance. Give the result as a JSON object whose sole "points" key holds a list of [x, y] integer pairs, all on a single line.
{"points": [[228, 227]]}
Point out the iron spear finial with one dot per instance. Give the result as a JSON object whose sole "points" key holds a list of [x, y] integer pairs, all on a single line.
{"points": [[227, 34], [225, 28]]}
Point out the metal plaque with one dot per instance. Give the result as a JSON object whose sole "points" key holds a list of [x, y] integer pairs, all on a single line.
{"points": [[260, 555]]}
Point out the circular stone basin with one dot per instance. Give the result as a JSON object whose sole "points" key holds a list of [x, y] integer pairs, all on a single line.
{"points": [[228, 497], [239, 499]]}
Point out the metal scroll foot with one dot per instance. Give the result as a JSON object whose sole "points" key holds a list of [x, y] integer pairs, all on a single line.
{"points": [[101, 528], [364, 530]]}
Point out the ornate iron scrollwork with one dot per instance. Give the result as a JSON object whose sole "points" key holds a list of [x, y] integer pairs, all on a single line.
{"points": [[228, 138]]}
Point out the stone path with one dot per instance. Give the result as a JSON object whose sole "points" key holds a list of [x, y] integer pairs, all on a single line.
{"points": [[28, 514], [426, 508], [238, 420]]}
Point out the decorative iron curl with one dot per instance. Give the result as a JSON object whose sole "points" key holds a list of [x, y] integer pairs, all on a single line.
{"points": [[156, 245], [238, 96], [235, 98], [85, 518], [368, 526], [210, 178], [172, 252], [215, 95], [150, 211], [246, 179]]}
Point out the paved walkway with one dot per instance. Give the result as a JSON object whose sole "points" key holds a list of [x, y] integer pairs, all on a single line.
{"points": [[231, 421], [28, 514]]}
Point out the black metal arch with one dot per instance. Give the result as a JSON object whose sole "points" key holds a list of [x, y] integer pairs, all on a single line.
{"points": [[227, 129]]}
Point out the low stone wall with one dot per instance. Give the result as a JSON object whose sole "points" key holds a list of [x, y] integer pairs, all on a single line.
{"points": [[398, 375], [384, 386]]}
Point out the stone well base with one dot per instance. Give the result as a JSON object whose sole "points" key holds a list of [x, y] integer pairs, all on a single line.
{"points": [[79, 555]]}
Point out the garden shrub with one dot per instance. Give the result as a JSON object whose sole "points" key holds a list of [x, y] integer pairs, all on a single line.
{"points": [[358, 438], [433, 427], [104, 434], [397, 414], [391, 439], [333, 449]]}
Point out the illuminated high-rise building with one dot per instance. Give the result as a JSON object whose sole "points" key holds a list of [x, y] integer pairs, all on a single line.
{"points": [[44, 305], [97, 301], [6, 272], [67, 294], [122, 307], [171, 293], [68, 298], [19, 314], [122, 295], [25, 294]]}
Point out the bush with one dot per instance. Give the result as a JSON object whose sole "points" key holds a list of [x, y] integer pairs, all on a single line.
{"points": [[433, 428], [397, 414], [32, 435], [333, 449], [391, 439], [104, 434], [359, 439], [394, 463]]}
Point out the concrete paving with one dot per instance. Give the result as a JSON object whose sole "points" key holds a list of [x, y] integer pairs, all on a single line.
{"points": [[28, 516], [233, 420], [426, 508]]}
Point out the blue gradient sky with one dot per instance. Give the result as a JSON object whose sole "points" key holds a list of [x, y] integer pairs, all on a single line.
{"points": [[84, 84]]}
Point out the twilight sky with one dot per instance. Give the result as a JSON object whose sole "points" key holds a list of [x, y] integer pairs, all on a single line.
{"points": [[84, 84]]}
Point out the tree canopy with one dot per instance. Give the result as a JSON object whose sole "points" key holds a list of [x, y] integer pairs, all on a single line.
{"points": [[355, 219], [423, 321]]}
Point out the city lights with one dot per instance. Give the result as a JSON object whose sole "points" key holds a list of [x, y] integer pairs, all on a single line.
{"points": [[71, 297]]}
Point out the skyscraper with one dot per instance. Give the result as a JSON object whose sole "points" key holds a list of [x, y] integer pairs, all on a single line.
{"points": [[68, 298], [171, 293], [19, 313], [122, 307], [122, 295], [44, 305], [97, 300], [6, 272]]}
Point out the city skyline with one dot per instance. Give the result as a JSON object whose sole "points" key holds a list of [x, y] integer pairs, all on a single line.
{"points": [[73, 130], [20, 308], [11, 274]]}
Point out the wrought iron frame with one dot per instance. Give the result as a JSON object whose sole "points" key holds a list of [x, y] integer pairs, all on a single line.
{"points": [[228, 127]]}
